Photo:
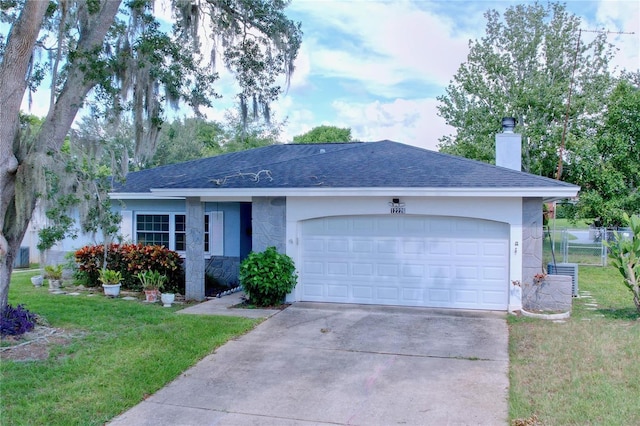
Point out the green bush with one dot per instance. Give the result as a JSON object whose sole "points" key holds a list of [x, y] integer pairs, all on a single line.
{"points": [[129, 260], [267, 277]]}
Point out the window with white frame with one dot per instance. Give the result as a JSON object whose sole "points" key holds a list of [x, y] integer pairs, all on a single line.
{"points": [[170, 230]]}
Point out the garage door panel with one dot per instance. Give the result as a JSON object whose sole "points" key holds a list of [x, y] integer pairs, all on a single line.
{"points": [[388, 227], [362, 246], [415, 226], [494, 249], [467, 273], [362, 292], [439, 272], [363, 269], [313, 290], [400, 261], [338, 246], [338, 226], [413, 295], [338, 268], [388, 270], [389, 294], [438, 296], [413, 271], [493, 273], [312, 268], [340, 291], [466, 296], [414, 247], [464, 248], [314, 245], [492, 297], [387, 247]]}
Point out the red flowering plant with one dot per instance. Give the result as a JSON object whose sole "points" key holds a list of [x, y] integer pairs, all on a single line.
{"points": [[129, 260]]}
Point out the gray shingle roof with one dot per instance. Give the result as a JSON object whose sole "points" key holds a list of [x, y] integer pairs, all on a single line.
{"points": [[333, 165]]}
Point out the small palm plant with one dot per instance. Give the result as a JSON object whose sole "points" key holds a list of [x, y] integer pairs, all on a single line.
{"points": [[152, 282], [109, 276], [625, 256]]}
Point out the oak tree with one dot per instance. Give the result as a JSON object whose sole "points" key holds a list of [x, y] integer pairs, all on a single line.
{"points": [[116, 57]]}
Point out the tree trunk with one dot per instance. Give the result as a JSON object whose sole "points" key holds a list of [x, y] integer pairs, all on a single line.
{"points": [[13, 69], [21, 172]]}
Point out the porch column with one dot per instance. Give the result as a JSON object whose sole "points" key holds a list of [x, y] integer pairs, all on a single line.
{"points": [[269, 223], [194, 262], [531, 238]]}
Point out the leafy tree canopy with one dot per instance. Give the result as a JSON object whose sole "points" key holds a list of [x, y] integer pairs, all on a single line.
{"points": [[608, 168], [117, 58], [522, 68], [321, 134]]}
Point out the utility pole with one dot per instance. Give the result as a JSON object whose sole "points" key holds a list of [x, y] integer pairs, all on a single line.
{"points": [[566, 115]]}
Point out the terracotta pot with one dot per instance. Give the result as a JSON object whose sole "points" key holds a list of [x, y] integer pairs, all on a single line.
{"points": [[151, 295]]}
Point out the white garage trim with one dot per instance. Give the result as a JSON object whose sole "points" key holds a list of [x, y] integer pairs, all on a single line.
{"points": [[405, 260]]}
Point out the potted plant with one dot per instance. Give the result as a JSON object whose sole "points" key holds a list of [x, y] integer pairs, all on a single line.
{"points": [[167, 299], [110, 280], [37, 280], [152, 283], [54, 274]]}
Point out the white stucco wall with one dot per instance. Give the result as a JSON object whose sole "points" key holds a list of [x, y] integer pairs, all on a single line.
{"points": [[507, 210]]}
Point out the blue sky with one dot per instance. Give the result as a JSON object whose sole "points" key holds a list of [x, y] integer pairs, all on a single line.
{"points": [[378, 66]]}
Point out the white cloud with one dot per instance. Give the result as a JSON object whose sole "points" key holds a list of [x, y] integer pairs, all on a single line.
{"points": [[622, 16], [414, 122], [379, 50], [387, 43]]}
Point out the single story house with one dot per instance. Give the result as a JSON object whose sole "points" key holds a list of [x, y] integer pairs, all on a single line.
{"points": [[365, 222]]}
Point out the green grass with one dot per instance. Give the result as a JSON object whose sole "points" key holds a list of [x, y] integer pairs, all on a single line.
{"points": [[122, 351], [584, 371], [571, 224]]}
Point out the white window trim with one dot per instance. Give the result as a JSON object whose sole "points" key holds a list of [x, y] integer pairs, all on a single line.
{"points": [[128, 228]]}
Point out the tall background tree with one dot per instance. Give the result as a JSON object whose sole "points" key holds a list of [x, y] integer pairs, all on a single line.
{"points": [[608, 166], [118, 59], [523, 68], [324, 133]]}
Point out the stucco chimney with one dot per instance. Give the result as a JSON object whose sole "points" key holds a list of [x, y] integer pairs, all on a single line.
{"points": [[509, 146]]}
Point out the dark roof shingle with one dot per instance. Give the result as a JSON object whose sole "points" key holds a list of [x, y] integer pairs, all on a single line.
{"points": [[333, 165]]}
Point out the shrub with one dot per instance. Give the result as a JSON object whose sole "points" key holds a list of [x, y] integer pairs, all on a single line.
{"points": [[16, 321], [129, 260], [152, 280], [625, 257], [267, 277]]}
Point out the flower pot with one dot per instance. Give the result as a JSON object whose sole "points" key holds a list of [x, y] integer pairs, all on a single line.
{"points": [[151, 295], [112, 290], [37, 280], [167, 299], [54, 284]]}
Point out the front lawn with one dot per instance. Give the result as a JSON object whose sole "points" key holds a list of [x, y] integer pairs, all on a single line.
{"points": [[582, 371], [105, 357]]}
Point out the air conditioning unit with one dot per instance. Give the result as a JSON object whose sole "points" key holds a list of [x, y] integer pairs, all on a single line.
{"points": [[570, 269]]}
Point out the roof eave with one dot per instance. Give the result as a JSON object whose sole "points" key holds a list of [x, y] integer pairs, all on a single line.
{"points": [[548, 194]]}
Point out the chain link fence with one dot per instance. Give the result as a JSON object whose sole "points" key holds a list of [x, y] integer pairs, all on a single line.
{"points": [[581, 246]]}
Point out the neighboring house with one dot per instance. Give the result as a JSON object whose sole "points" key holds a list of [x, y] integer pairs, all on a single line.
{"points": [[371, 223]]}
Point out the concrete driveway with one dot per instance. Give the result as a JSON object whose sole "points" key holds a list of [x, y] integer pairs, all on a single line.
{"points": [[346, 365]]}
